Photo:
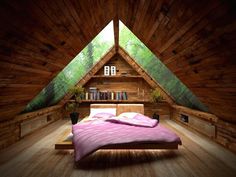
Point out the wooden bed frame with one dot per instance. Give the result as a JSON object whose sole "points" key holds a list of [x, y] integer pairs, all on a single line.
{"points": [[64, 143], [67, 144]]}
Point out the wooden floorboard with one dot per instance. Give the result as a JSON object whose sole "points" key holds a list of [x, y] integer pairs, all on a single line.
{"points": [[35, 156]]}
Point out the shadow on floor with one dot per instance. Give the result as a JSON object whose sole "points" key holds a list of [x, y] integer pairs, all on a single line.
{"points": [[118, 158]]}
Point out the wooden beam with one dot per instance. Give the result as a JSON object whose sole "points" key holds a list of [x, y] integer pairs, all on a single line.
{"points": [[116, 25], [145, 75], [29, 115], [91, 72], [16, 67], [200, 114], [116, 32]]}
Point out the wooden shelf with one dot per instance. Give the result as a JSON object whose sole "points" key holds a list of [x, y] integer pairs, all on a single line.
{"points": [[117, 76], [115, 101], [127, 79]]}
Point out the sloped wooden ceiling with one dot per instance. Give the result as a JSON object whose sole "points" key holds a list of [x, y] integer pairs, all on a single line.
{"points": [[38, 39], [195, 39]]}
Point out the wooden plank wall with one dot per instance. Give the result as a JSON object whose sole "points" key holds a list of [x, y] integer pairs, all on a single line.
{"points": [[137, 88], [196, 41], [163, 109], [38, 39], [83, 110], [10, 131], [121, 67], [226, 134], [218, 130]]}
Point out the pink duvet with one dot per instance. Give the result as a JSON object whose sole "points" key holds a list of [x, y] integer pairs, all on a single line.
{"points": [[90, 136]]}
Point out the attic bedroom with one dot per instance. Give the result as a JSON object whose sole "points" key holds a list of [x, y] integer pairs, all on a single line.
{"points": [[117, 88]]}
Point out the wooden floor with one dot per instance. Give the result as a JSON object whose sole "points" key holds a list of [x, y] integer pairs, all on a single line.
{"points": [[35, 156]]}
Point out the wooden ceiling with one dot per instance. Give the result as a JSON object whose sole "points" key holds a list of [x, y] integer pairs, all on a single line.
{"points": [[197, 42], [38, 39], [195, 39]]}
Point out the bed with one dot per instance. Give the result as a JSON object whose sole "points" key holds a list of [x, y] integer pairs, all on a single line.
{"points": [[120, 126]]}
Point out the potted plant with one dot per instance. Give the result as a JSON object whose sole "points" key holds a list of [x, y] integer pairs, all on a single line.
{"points": [[77, 94], [156, 96]]}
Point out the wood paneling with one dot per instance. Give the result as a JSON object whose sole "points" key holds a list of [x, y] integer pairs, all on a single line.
{"points": [[38, 39], [83, 110], [130, 77], [90, 73], [226, 134], [121, 67], [36, 156], [146, 76], [136, 87], [13, 130], [121, 108], [218, 130], [161, 108], [196, 40]]}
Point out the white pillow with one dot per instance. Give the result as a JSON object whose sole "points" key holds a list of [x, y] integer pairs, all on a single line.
{"points": [[94, 111], [128, 114]]}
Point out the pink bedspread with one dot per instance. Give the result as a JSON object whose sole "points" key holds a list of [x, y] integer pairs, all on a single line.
{"points": [[90, 136], [136, 120]]}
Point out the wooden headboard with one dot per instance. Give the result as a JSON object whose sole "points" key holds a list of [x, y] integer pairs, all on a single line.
{"points": [[103, 105], [120, 108], [139, 108]]}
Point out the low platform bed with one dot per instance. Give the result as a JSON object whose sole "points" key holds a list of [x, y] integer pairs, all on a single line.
{"points": [[127, 128], [68, 144]]}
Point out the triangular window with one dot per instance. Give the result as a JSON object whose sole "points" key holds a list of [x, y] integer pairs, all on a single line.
{"points": [[95, 50], [157, 70], [75, 70]]}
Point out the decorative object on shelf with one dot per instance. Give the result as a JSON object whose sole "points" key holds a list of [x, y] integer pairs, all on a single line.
{"points": [[77, 93], [106, 95], [86, 96], [156, 96], [106, 70], [113, 70], [124, 73], [112, 95]]}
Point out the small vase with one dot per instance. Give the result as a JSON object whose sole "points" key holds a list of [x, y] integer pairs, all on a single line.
{"points": [[74, 116], [156, 116]]}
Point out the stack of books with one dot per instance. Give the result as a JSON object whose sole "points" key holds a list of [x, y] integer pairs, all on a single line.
{"points": [[92, 93], [121, 96], [95, 94]]}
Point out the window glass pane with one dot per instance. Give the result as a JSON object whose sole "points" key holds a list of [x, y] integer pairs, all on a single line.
{"points": [[155, 68], [75, 70]]}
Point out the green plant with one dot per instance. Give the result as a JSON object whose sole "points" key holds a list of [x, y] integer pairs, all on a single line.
{"points": [[156, 96], [71, 106], [77, 94]]}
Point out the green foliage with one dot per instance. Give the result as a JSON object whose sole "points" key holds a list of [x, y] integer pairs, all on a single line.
{"points": [[77, 93], [94, 51], [156, 96], [74, 71], [71, 106], [157, 70]]}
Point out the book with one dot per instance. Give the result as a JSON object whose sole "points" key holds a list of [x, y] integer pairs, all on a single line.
{"points": [[112, 95], [86, 96]]}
